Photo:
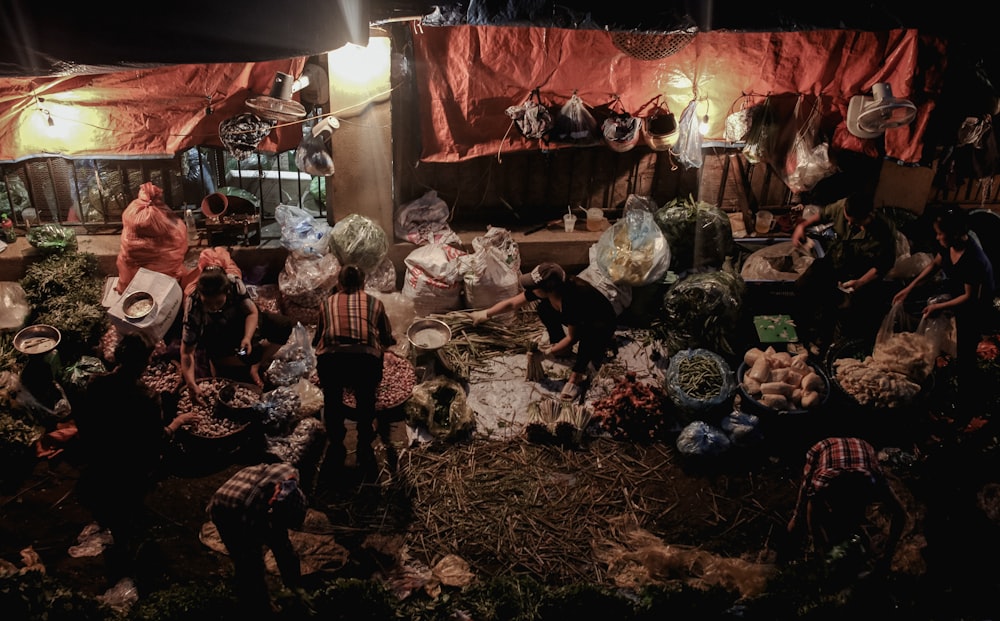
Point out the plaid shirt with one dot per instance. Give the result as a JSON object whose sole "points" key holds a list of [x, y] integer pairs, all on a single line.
{"points": [[247, 496], [355, 319], [829, 458]]}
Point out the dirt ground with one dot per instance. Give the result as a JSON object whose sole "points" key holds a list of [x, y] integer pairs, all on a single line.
{"points": [[733, 507], [603, 511]]}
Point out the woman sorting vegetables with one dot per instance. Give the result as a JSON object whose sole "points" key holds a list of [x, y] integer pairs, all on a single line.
{"points": [[573, 312], [220, 317], [352, 334], [968, 284]]}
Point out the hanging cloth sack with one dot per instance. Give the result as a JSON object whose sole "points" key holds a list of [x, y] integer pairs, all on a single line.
{"points": [[532, 117], [687, 149]]}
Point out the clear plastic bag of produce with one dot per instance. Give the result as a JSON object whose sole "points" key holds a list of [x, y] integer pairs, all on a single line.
{"points": [[702, 310], [52, 238], [359, 240], [702, 440], [634, 251], [699, 380], [699, 234], [302, 233], [296, 359]]}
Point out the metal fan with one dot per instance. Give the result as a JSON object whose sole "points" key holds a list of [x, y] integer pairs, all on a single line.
{"points": [[869, 117], [278, 105]]}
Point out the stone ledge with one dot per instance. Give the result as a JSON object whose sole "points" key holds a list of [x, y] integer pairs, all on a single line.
{"points": [[263, 263]]}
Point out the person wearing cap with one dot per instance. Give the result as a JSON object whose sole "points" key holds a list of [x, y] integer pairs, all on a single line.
{"points": [[220, 317], [840, 480], [252, 510], [573, 311]]}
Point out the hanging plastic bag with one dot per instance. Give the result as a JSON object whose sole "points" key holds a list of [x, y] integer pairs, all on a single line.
{"points": [[738, 123], [574, 122], [763, 132], [808, 160], [532, 117], [687, 149]]}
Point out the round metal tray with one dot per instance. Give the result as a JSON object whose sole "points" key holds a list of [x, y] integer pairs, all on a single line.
{"points": [[428, 334], [138, 305], [37, 339]]}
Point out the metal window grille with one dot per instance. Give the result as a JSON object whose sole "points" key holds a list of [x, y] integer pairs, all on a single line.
{"points": [[93, 193]]}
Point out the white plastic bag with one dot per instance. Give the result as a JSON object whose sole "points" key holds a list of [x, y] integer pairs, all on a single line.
{"points": [[687, 149], [424, 221]]}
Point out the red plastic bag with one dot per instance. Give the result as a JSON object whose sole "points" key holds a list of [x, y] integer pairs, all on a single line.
{"points": [[153, 237]]}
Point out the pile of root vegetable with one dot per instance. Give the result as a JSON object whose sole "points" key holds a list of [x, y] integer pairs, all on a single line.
{"points": [[781, 381]]}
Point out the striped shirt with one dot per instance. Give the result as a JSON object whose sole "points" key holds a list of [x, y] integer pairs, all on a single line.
{"points": [[352, 319]]}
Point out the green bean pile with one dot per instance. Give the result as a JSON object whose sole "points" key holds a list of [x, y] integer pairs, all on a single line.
{"points": [[699, 377]]}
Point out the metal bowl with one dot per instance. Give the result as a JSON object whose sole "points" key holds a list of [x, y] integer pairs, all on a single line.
{"points": [[428, 334], [37, 339], [138, 305]]}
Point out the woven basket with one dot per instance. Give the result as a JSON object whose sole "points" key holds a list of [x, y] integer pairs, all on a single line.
{"points": [[652, 45]]}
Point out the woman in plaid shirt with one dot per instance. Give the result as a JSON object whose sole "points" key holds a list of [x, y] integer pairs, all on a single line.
{"points": [[352, 332]]}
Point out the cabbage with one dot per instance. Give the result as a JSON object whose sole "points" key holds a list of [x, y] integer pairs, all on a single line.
{"points": [[359, 240]]}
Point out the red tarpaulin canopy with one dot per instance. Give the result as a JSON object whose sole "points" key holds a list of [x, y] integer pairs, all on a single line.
{"points": [[154, 112], [467, 76]]}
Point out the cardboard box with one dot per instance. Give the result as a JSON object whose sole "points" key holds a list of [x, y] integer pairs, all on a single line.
{"points": [[166, 292]]}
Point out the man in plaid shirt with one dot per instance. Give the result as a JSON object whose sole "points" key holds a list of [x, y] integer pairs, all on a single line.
{"points": [[841, 478], [253, 509]]}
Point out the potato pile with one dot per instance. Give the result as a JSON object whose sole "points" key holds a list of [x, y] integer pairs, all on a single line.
{"points": [[781, 381]]}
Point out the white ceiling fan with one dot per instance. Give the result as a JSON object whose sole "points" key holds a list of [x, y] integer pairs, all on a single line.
{"points": [[869, 117]]}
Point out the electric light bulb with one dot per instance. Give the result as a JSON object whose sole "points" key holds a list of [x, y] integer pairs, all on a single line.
{"points": [[703, 126]]}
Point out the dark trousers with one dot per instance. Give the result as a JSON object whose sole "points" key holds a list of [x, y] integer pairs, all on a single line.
{"points": [[246, 551], [363, 373], [593, 338], [823, 312]]}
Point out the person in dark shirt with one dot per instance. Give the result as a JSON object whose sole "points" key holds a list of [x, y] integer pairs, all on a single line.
{"points": [[352, 334], [220, 317], [122, 435], [847, 284], [841, 479], [966, 291], [252, 510], [573, 311]]}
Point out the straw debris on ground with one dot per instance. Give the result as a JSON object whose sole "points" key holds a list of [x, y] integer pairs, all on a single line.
{"points": [[516, 508]]}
